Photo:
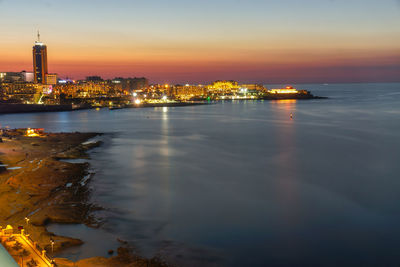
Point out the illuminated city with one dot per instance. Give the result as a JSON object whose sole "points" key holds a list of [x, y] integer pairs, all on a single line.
{"points": [[47, 89], [204, 133]]}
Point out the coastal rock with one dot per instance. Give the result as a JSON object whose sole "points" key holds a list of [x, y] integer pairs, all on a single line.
{"points": [[37, 189]]}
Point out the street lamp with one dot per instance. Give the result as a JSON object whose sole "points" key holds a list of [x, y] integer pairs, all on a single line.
{"points": [[27, 222], [52, 245]]}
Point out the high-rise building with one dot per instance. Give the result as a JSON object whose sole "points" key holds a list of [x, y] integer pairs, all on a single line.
{"points": [[39, 61]]}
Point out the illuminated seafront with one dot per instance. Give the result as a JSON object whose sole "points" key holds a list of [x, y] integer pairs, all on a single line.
{"points": [[142, 101], [20, 94], [242, 183], [41, 91]]}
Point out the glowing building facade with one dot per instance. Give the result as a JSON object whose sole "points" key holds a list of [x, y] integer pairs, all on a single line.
{"points": [[39, 61], [51, 78]]}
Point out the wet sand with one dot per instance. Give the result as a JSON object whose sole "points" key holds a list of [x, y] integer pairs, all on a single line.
{"points": [[34, 183]]}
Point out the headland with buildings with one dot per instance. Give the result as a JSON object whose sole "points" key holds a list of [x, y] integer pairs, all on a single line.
{"points": [[41, 90]]}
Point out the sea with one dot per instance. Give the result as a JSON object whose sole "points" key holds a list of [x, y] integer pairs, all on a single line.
{"points": [[245, 183]]}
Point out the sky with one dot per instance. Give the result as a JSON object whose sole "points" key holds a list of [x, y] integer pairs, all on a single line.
{"points": [[198, 41]]}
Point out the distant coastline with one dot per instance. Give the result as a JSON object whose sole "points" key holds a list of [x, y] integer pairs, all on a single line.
{"points": [[6, 108], [9, 108]]}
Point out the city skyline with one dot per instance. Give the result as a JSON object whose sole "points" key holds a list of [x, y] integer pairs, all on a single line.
{"points": [[252, 41]]}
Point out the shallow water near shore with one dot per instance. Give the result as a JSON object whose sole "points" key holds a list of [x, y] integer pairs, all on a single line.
{"points": [[242, 184], [75, 161], [92, 247]]}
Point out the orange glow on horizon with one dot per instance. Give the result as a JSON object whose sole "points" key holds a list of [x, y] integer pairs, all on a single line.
{"points": [[202, 64]]}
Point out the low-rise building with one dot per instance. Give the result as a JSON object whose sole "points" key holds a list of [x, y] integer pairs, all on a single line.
{"points": [[186, 92], [22, 76], [131, 84], [51, 78]]}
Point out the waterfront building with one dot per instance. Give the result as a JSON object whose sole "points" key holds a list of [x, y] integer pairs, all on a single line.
{"points": [[187, 92], [11, 76], [89, 89], [131, 84], [287, 90], [223, 87], [39, 61], [254, 87], [16, 76], [18, 91], [28, 76], [158, 90]]}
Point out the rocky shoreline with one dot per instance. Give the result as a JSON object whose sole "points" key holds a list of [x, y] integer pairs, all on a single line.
{"points": [[36, 183]]}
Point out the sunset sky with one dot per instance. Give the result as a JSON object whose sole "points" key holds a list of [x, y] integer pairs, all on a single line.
{"points": [[199, 41]]}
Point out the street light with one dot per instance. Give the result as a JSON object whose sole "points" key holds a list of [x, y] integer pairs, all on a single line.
{"points": [[27, 222], [52, 245]]}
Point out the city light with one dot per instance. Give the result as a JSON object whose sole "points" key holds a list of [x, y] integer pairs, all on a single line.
{"points": [[31, 133], [94, 91], [287, 90]]}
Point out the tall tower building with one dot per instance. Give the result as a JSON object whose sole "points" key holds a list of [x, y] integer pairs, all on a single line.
{"points": [[39, 61]]}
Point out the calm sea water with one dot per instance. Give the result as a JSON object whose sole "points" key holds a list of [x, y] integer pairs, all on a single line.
{"points": [[241, 184]]}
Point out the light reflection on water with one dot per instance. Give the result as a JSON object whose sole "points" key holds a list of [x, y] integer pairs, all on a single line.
{"points": [[242, 184]]}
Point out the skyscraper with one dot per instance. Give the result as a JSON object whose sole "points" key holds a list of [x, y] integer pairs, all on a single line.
{"points": [[39, 61]]}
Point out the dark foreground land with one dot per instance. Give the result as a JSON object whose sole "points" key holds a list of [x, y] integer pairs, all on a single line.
{"points": [[24, 108], [6, 108], [34, 183]]}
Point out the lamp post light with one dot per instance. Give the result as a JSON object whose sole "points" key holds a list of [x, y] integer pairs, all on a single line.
{"points": [[52, 245], [27, 222]]}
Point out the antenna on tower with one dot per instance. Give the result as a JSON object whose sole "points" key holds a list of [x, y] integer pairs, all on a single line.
{"points": [[38, 36]]}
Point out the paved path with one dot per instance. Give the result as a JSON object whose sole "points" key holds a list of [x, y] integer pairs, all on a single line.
{"points": [[33, 253]]}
